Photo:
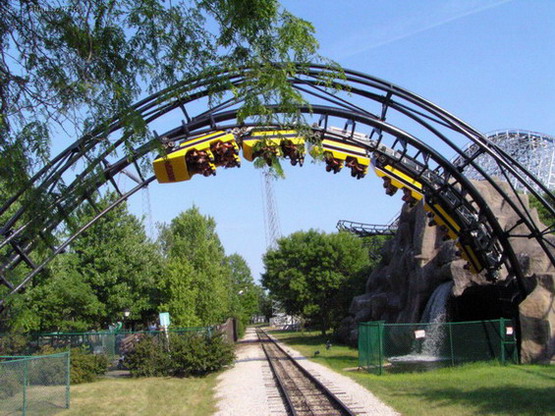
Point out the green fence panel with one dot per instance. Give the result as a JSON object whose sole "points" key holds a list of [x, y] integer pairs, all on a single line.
{"points": [[36, 385], [370, 346], [103, 342], [424, 346]]}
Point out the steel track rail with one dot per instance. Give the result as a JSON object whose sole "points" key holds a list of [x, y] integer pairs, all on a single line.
{"points": [[321, 389]]}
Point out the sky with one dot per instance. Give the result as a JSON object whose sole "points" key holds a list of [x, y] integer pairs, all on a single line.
{"points": [[490, 63]]}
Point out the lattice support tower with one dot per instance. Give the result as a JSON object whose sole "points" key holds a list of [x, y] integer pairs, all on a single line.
{"points": [[271, 217], [534, 151]]}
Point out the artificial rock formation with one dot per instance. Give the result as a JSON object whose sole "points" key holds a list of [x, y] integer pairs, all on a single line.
{"points": [[417, 260]]}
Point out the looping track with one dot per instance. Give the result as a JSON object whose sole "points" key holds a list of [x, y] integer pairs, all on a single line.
{"points": [[303, 393], [37, 223]]}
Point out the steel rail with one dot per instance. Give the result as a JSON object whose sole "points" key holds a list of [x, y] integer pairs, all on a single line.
{"points": [[342, 409]]}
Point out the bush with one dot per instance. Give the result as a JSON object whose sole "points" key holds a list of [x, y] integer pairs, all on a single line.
{"points": [[149, 358], [47, 371], [241, 328], [13, 344], [186, 355], [198, 355], [85, 366], [10, 384]]}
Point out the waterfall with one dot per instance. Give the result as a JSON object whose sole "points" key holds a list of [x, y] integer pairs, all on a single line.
{"points": [[435, 314], [436, 308], [427, 350]]}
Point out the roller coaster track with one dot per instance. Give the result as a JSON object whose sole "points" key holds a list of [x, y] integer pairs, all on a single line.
{"points": [[37, 223], [366, 230], [304, 394]]}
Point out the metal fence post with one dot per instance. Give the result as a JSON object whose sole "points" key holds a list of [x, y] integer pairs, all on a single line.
{"points": [[452, 348], [25, 381], [68, 377], [380, 346], [502, 339]]}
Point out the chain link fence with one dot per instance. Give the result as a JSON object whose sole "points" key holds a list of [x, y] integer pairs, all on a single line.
{"points": [[108, 343], [34, 385], [423, 346]]}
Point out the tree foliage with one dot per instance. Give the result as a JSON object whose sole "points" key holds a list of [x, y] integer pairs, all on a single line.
{"points": [[244, 293], [80, 62], [545, 216], [196, 289], [111, 267], [313, 274]]}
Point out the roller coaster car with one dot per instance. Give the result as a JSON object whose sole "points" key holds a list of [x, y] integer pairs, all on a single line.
{"points": [[200, 155], [447, 211], [451, 230], [472, 240], [274, 143], [400, 176], [338, 154]]}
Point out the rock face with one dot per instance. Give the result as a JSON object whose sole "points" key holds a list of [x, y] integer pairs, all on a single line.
{"points": [[417, 260]]}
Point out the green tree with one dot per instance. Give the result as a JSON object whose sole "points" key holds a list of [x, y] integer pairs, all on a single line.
{"points": [[110, 267], [309, 271], [244, 299], [84, 61], [545, 216], [197, 288]]}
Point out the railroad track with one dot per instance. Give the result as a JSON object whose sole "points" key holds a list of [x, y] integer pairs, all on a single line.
{"points": [[304, 394]]}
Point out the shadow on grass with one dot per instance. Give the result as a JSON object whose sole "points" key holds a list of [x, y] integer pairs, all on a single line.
{"points": [[537, 372], [507, 400], [306, 340]]}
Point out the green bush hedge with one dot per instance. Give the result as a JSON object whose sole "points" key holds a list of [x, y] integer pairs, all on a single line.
{"points": [[182, 355], [14, 344], [85, 366], [10, 384], [149, 358]]}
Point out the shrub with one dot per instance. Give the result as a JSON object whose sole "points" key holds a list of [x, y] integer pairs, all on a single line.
{"points": [[186, 355], [10, 384], [47, 371], [241, 328], [149, 358], [85, 366], [199, 354], [13, 344]]}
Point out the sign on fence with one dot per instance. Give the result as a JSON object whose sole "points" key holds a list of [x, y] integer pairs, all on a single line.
{"points": [[164, 319]]}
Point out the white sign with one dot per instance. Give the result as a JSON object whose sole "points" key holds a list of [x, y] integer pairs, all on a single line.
{"points": [[419, 334], [509, 330], [164, 319]]}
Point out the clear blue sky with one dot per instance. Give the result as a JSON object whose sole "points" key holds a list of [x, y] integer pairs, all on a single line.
{"points": [[491, 63]]}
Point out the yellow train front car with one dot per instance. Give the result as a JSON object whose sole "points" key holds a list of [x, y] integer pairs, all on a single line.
{"points": [[199, 155]]}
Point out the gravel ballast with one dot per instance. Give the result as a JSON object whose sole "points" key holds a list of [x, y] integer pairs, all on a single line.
{"points": [[248, 387]]}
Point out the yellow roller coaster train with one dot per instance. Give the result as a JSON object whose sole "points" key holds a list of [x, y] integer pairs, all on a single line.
{"points": [[203, 154]]}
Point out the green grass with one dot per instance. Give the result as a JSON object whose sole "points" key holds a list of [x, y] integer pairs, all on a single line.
{"points": [[144, 396], [473, 389]]}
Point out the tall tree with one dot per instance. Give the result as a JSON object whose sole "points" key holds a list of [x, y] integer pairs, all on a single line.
{"points": [[309, 271], [84, 61], [197, 288], [111, 267], [244, 293]]}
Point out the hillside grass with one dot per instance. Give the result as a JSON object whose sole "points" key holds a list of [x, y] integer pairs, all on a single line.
{"points": [[472, 389]]}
